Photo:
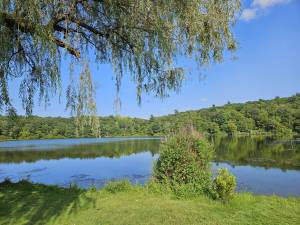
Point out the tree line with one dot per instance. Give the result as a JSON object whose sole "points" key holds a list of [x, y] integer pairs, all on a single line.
{"points": [[279, 116]]}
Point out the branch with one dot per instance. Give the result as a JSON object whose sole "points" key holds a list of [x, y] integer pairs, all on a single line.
{"points": [[70, 49], [16, 23], [88, 27], [13, 22]]}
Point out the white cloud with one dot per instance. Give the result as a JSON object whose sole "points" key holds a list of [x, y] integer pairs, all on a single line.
{"points": [[267, 3], [258, 6], [248, 14]]}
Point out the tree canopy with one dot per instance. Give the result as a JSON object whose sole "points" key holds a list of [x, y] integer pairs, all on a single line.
{"points": [[280, 116], [142, 37]]}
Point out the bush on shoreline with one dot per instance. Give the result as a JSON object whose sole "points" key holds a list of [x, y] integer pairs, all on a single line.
{"points": [[184, 166], [223, 185], [184, 162]]}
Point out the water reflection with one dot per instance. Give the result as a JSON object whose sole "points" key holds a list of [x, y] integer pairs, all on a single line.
{"points": [[261, 165], [263, 152], [84, 172], [85, 150]]}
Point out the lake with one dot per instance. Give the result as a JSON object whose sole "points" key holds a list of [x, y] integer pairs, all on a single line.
{"points": [[261, 165]]}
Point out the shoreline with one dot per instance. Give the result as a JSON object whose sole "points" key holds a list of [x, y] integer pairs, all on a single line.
{"points": [[160, 136]]}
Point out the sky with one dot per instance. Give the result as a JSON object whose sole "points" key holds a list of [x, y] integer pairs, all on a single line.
{"points": [[267, 65]]}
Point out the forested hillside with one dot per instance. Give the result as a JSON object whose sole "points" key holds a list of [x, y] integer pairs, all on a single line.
{"points": [[280, 116]]}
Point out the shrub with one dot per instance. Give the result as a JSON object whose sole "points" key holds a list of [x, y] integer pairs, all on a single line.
{"points": [[74, 187], [118, 186], [158, 188], [188, 191], [93, 188], [6, 181], [184, 159], [223, 185]]}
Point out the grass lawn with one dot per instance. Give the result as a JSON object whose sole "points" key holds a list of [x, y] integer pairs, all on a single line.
{"points": [[26, 203]]}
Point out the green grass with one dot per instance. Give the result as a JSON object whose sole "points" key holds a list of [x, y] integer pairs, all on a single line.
{"points": [[26, 203]]}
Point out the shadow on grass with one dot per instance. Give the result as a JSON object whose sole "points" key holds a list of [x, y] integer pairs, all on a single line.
{"points": [[27, 203]]}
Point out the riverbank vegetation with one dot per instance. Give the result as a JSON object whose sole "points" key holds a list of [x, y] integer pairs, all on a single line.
{"points": [[280, 116], [184, 163], [27, 203], [184, 167]]}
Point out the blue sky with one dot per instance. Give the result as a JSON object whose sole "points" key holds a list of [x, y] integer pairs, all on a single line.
{"points": [[267, 65]]}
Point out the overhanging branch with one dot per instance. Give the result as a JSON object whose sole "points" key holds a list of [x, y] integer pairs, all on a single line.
{"points": [[70, 49], [16, 23]]}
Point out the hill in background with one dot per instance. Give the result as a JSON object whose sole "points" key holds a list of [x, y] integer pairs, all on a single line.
{"points": [[279, 116]]}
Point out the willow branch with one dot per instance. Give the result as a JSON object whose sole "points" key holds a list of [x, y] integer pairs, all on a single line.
{"points": [[15, 23], [70, 49]]}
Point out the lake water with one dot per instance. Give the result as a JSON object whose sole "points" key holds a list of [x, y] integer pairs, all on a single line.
{"points": [[261, 165]]}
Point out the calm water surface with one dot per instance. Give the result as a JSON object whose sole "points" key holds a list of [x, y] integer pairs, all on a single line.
{"points": [[261, 165]]}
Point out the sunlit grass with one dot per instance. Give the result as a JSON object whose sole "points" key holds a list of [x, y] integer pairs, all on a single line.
{"points": [[26, 203]]}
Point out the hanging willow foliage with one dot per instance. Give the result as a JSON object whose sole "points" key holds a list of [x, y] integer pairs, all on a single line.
{"points": [[139, 36]]}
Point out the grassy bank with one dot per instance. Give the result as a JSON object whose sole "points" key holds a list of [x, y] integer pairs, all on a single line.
{"points": [[26, 203]]}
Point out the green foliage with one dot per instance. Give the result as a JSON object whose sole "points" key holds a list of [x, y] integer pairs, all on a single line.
{"points": [[74, 187], [223, 185], [157, 187], [257, 151], [118, 186], [279, 116], [6, 182], [93, 188], [190, 190], [142, 37], [184, 160], [230, 128]]}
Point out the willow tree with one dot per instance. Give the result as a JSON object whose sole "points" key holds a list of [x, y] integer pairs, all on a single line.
{"points": [[139, 36]]}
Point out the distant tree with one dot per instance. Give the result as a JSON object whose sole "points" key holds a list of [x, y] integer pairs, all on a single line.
{"points": [[212, 128], [230, 127], [278, 116], [151, 118], [296, 124], [155, 129]]}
